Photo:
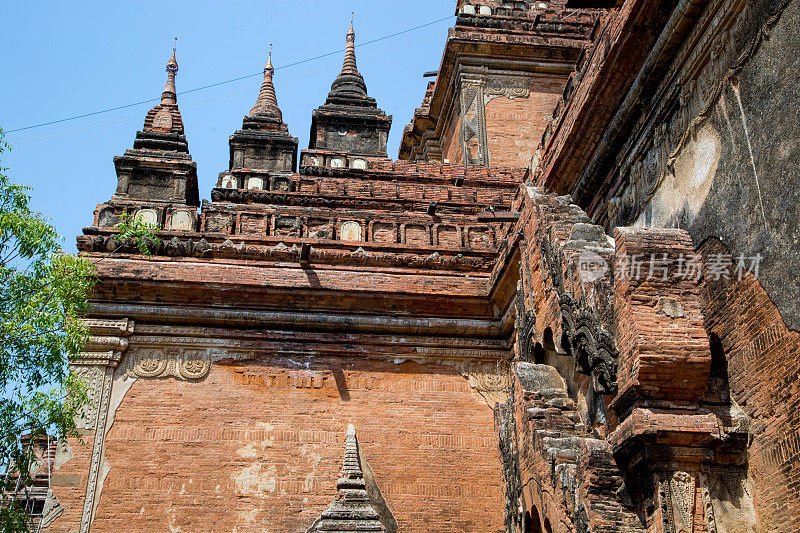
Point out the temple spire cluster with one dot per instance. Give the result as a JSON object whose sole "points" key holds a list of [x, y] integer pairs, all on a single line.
{"points": [[262, 152]]}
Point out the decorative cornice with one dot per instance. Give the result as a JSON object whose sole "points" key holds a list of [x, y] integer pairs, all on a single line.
{"points": [[107, 341], [207, 249]]}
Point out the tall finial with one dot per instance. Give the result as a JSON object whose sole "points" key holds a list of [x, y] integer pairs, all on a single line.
{"points": [[169, 96], [349, 66], [352, 16], [267, 103]]}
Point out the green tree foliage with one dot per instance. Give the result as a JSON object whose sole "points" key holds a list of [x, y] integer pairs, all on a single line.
{"points": [[43, 294]]}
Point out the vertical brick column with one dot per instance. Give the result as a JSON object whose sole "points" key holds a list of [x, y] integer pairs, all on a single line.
{"points": [[669, 440], [663, 346]]}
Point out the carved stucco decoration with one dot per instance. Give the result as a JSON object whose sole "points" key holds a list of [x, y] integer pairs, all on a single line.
{"points": [[587, 339], [677, 499], [473, 123], [510, 87], [102, 352], [92, 376], [490, 380], [51, 510], [727, 499], [105, 347], [176, 247], [589, 343], [697, 92], [172, 361], [525, 324]]}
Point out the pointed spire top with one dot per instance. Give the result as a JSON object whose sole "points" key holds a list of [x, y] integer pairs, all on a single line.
{"points": [[267, 103], [352, 509], [172, 64], [169, 96], [269, 59], [349, 65], [351, 466], [349, 83], [165, 117], [351, 32]]}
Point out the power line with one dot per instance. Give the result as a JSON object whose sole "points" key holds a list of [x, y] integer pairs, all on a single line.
{"points": [[217, 84], [250, 89]]}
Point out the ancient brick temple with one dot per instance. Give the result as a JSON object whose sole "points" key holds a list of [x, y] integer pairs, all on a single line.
{"points": [[570, 305]]}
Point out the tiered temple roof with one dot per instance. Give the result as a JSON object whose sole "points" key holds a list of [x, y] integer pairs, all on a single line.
{"points": [[350, 120]]}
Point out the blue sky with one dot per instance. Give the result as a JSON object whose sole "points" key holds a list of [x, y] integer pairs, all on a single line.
{"points": [[61, 59]]}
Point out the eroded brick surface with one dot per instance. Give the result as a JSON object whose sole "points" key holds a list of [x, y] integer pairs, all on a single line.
{"points": [[504, 366], [257, 446]]}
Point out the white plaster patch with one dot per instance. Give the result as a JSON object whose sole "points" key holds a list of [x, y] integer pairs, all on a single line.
{"points": [[64, 453], [172, 518], [308, 484], [685, 190], [120, 386], [256, 480], [250, 451]]}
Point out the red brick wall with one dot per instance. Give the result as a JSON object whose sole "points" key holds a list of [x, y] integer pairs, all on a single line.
{"points": [[257, 446], [763, 358], [451, 144], [69, 480], [514, 127]]}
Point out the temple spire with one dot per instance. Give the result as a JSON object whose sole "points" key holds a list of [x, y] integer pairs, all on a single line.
{"points": [[349, 120], [352, 509], [349, 65], [170, 96], [349, 83], [267, 102], [165, 116]]}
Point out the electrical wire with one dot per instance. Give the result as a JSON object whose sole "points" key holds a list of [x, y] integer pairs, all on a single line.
{"points": [[225, 82], [279, 83]]}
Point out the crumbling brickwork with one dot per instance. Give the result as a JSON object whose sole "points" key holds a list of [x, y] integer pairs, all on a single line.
{"points": [[545, 316], [262, 440]]}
